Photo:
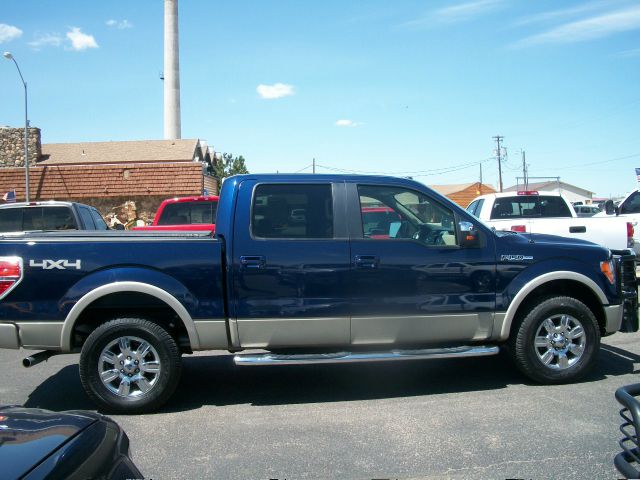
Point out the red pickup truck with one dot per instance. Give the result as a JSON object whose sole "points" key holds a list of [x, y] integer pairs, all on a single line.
{"points": [[185, 213]]}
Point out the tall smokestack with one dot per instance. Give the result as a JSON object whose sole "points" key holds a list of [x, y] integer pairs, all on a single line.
{"points": [[171, 71]]}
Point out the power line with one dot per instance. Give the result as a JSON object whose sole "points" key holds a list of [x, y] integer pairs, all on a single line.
{"points": [[626, 157], [433, 171], [303, 169]]}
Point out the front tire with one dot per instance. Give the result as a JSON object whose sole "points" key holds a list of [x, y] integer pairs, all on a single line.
{"points": [[130, 365], [557, 341]]}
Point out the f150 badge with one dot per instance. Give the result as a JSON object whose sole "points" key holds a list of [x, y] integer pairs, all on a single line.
{"points": [[514, 258], [63, 264]]}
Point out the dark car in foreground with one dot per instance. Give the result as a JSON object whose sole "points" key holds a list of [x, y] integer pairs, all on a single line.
{"points": [[41, 444]]}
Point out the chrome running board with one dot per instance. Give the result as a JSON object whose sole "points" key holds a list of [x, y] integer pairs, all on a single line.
{"points": [[352, 357]]}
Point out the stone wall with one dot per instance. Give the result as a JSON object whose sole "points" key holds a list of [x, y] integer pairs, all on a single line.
{"points": [[12, 146]]}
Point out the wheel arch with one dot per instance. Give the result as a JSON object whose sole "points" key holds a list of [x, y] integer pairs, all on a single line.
{"points": [[98, 293], [565, 283]]}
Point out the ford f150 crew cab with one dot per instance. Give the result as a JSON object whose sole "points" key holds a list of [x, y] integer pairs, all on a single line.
{"points": [[294, 271], [185, 214], [549, 213]]}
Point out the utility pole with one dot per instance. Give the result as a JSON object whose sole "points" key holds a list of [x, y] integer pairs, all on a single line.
{"points": [[524, 171], [480, 188], [498, 139], [314, 166]]}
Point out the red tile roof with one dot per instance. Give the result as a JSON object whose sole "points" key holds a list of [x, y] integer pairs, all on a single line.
{"points": [[85, 181]]}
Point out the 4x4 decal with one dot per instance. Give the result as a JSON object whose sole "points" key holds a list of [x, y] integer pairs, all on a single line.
{"points": [[55, 264]]}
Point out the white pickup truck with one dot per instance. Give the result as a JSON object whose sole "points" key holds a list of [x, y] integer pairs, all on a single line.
{"points": [[629, 211], [550, 213]]}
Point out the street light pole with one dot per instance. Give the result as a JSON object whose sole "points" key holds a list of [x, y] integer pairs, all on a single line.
{"points": [[9, 56]]}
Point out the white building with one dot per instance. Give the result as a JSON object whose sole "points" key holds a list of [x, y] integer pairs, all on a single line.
{"points": [[571, 192]]}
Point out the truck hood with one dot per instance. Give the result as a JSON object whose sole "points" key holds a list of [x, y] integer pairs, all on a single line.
{"points": [[542, 246], [29, 435], [541, 238]]}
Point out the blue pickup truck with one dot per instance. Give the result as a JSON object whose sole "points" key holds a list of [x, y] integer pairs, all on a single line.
{"points": [[305, 269]]}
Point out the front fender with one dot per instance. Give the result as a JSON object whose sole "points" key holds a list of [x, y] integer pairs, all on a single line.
{"points": [[547, 271]]}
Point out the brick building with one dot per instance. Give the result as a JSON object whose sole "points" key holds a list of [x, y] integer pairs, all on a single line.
{"points": [[106, 174]]}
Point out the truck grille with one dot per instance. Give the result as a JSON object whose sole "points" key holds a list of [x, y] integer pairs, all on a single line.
{"points": [[628, 286], [628, 461]]}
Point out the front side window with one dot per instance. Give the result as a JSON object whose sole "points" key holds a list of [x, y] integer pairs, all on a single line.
{"points": [[393, 212], [87, 219], [292, 211], [475, 207], [98, 220]]}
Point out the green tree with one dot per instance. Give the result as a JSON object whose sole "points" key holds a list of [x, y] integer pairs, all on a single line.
{"points": [[228, 165]]}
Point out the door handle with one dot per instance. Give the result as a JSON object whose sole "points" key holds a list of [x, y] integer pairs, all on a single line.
{"points": [[578, 229], [367, 261], [253, 261]]}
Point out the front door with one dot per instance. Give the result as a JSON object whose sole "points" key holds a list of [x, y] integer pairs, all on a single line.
{"points": [[412, 281]]}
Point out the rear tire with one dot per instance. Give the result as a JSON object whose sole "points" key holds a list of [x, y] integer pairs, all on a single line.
{"points": [[130, 365], [556, 342]]}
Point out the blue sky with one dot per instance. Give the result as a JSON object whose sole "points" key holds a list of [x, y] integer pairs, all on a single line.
{"points": [[405, 88]]}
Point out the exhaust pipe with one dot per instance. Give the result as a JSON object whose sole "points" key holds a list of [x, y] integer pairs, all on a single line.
{"points": [[36, 358]]}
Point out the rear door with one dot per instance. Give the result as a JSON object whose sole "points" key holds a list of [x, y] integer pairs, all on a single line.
{"points": [[290, 265], [412, 281]]}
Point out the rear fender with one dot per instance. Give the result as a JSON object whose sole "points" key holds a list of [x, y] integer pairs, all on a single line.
{"points": [[127, 279]]}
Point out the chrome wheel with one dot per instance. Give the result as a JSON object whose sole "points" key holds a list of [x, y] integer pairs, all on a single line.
{"points": [[129, 367], [560, 341]]}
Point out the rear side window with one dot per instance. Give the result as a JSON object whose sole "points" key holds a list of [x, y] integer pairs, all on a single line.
{"points": [[188, 213], [11, 220], [527, 206], [292, 211]]}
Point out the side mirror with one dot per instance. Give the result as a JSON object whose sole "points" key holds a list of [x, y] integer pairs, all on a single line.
{"points": [[469, 236], [610, 208]]}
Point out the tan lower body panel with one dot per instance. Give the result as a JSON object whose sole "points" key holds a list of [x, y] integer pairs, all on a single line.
{"points": [[293, 332], [421, 329], [40, 335], [212, 334]]}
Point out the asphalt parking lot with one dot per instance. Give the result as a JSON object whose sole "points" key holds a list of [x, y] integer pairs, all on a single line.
{"points": [[465, 418]]}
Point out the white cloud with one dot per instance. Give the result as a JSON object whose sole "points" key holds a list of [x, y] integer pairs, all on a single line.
{"points": [[466, 11], [562, 13], [461, 12], [9, 32], [629, 53], [119, 24], [277, 90], [347, 123], [45, 40], [81, 41], [588, 29]]}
